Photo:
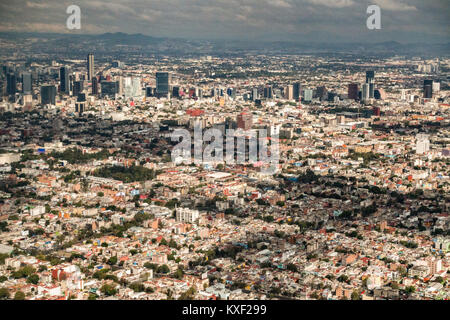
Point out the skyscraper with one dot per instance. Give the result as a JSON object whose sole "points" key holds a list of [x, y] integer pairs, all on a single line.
{"points": [[26, 83], [268, 92], [422, 144], [77, 88], [132, 87], [11, 84], [370, 80], [175, 92], [94, 85], [308, 95], [162, 84], [245, 121], [322, 93], [376, 111], [289, 92], [255, 94], [90, 66], [64, 80], [109, 88], [231, 92], [80, 105], [436, 86], [48, 94], [428, 89], [149, 91], [297, 88], [353, 91], [365, 92]]}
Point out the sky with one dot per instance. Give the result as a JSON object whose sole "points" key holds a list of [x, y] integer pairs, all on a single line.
{"points": [[257, 20]]}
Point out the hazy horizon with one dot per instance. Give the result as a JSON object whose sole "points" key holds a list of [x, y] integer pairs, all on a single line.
{"points": [[405, 21]]}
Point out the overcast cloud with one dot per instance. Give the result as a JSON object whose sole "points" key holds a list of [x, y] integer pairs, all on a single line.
{"points": [[265, 20]]}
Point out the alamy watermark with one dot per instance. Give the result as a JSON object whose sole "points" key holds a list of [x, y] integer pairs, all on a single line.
{"points": [[74, 20], [209, 147], [374, 20]]}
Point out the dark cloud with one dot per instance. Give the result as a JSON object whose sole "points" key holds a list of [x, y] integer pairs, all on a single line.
{"points": [[302, 20]]}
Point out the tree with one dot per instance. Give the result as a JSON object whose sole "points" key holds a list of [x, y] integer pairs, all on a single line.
{"points": [[172, 243], [394, 285], [355, 295], [188, 295], [34, 279], [108, 290], [179, 273], [292, 267], [112, 260], [152, 266], [410, 289], [439, 279], [4, 293], [137, 287], [24, 272], [163, 269], [3, 256], [343, 278], [19, 295]]}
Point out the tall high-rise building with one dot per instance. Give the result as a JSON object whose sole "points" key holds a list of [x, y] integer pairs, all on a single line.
{"points": [[289, 92], [365, 92], [422, 144], [255, 94], [353, 91], [64, 80], [78, 87], [376, 111], [428, 89], [380, 94], [163, 80], [308, 95], [268, 94], [370, 80], [322, 93], [245, 121], [436, 87], [11, 84], [109, 88], [48, 94], [175, 92], [403, 96], [149, 91], [132, 87], [26, 83], [80, 105], [297, 88], [231, 92], [90, 66], [94, 85]]}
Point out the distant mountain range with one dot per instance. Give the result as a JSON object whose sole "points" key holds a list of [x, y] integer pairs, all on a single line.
{"points": [[120, 43]]}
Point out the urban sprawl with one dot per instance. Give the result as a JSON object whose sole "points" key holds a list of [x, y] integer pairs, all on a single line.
{"points": [[93, 205]]}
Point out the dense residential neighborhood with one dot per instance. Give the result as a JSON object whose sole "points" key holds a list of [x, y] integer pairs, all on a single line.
{"points": [[94, 205]]}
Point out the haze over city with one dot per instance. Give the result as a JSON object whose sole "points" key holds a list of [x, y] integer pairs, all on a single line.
{"points": [[259, 20]]}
